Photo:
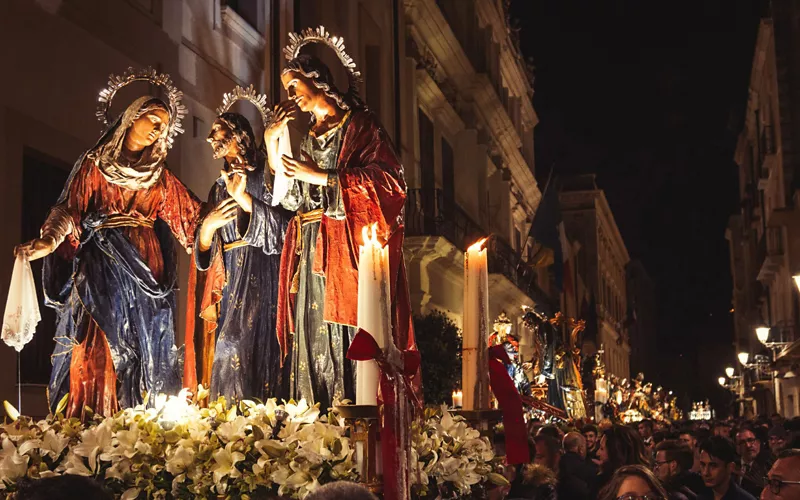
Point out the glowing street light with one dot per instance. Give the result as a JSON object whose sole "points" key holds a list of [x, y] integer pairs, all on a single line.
{"points": [[729, 371], [762, 332], [796, 279], [721, 381], [743, 357]]}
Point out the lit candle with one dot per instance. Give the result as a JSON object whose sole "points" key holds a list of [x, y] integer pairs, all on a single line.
{"points": [[475, 367], [457, 399], [374, 315]]}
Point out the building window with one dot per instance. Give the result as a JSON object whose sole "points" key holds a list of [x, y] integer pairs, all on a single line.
{"points": [[247, 10], [42, 181], [448, 177]]}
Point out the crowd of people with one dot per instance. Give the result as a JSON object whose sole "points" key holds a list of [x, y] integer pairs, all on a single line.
{"points": [[649, 460]]}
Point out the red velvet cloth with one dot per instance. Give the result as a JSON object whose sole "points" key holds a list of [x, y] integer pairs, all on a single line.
{"points": [[396, 392], [373, 191], [510, 402]]}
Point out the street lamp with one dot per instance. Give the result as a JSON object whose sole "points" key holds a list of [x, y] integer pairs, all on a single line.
{"points": [[762, 332], [743, 357], [721, 381], [729, 371], [796, 279]]}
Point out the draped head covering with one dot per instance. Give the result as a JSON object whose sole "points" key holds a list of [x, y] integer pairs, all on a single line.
{"points": [[107, 154]]}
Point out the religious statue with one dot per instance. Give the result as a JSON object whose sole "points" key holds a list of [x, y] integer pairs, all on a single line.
{"points": [[239, 242], [348, 177], [110, 268], [502, 336]]}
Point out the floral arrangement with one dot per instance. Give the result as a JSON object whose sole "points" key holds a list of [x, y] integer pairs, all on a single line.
{"points": [[452, 459], [180, 450], [247, 450]]}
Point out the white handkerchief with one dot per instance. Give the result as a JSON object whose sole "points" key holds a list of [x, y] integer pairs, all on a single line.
{"points": [[22, 306], [280, 184]]}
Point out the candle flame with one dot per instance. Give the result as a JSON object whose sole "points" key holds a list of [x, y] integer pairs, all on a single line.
{"points": [[478, 245], [370, 239]]}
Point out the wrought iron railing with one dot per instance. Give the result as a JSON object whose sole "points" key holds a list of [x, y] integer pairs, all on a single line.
{"points": [[429, 212]]}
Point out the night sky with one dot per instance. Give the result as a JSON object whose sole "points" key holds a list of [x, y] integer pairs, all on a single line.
{"points": [[650, 96]]}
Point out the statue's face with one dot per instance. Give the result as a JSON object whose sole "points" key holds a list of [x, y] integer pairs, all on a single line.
{"points": [[303, 91], [221, 140], [146, 129]]}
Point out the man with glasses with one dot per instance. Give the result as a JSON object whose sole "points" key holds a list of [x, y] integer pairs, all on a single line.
{"points": [[778, 440], [755, 461], [717, 464], [671, 466], [783, 481]]}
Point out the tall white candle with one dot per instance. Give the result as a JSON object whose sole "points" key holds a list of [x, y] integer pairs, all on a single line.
{"points": [[475, 367], [374, 314]]}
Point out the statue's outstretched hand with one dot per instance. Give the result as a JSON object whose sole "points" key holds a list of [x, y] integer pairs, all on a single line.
{"points": [[36, 248]]}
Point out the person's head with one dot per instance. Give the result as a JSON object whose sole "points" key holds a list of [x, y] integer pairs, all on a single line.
{"points": [[150, 123], [748, 445], [552, 431], [784, 477], [66, 487], [778, 439], [620, 446], [574, 442], [688, 437], [672, 458], [341, 490], [717, 461], [310, 84], [548, 451], [633, 482], [646, 429], [722, 429], [776, 420], [590, 433], [232, 135]]}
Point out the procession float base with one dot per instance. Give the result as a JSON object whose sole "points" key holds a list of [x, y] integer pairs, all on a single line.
{"points": [[248, 450]]}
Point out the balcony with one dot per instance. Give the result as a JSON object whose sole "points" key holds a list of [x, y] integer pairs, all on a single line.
{"points": [[430, 213], [770, 254]]}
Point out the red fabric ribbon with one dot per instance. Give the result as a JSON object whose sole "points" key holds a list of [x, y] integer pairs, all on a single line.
{"points": [[396, 390], [510, 402]]}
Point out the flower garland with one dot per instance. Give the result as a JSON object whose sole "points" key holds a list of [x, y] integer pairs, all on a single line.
{"points": [[251, 449], [452, 459], [183, 451]]}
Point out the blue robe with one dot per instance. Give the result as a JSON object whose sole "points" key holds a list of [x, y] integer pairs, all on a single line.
{"points": [[247, 358]]}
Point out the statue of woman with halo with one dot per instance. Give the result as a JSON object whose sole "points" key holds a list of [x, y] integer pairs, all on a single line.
{"points": [[348, 177], [110, 268], [239, 243]]}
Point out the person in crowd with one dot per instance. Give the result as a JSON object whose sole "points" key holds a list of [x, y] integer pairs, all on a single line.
{"points": [[689, 437], [548, 451], [619, 446], [589, 432], [721, 428], [778, 439], [552, 431], [646, 431], [783, 480], [576, 475], [66, 487], [534, 482], [673, 465], [633, 482], [341, 490], [776, 420], [718, 463], [755, 460]]}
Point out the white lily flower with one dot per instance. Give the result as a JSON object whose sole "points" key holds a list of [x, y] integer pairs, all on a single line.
{"points": [[225, 465]]}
